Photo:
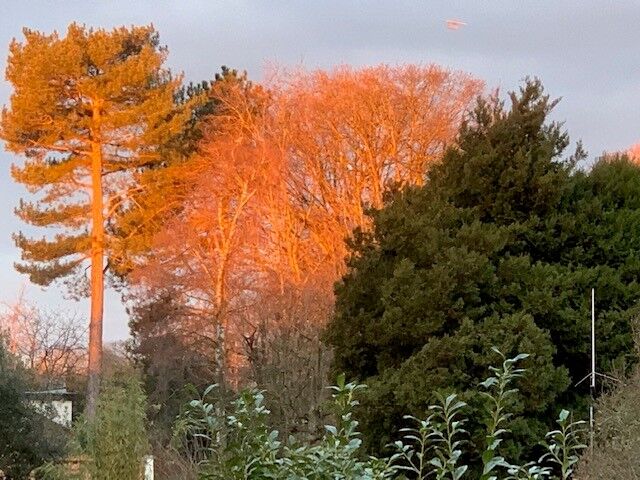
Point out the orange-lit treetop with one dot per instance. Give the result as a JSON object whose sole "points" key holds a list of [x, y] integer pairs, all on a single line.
{"points": [[286, 171]]}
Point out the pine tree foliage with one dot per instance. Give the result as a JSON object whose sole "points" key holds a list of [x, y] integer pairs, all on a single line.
{"points": [[88, 111], [164, 185], [89, 89]]}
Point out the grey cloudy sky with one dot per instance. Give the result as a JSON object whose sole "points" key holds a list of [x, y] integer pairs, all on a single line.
{"points": [[585, 51]]}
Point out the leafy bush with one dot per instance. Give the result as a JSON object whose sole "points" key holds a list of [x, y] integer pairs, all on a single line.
{"points": [[27, 439], [240, 445], [116, 440], [237, 444], [114, 444]]}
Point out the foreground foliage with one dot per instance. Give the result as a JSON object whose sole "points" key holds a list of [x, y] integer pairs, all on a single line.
{"points": [[116, 439], [234, 442], [114, 443], [26, 438]]}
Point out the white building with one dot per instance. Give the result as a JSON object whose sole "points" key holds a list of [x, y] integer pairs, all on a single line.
{"points": [[56, 405]]}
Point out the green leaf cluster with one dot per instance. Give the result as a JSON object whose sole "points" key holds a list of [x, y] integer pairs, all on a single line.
{"points": [[116, 441], [233, 441]]}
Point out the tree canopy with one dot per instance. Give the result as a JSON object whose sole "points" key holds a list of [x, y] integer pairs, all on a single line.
{"points": [[71, 93]]}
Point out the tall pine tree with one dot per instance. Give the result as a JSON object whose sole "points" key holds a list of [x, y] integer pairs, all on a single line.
{"points": [[88, 111]]}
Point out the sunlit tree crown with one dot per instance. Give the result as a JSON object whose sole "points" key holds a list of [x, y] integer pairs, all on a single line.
{"points": [[90, 87]]}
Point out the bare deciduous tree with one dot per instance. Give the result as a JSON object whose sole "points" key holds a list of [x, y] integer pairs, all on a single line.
{"points": [[51, 343], [284, 174]]}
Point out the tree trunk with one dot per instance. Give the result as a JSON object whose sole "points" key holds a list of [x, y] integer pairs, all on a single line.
{"points": [[221, 354], [97, 269]]}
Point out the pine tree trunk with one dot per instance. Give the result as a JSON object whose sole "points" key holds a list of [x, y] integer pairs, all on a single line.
{"points": [[97, 269]]}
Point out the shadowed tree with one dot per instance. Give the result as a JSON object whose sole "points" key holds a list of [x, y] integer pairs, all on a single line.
{"points": [[500, 247], [88, 111]]}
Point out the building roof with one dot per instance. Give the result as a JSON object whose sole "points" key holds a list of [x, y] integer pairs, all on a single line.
{"points": [[55, 393]]}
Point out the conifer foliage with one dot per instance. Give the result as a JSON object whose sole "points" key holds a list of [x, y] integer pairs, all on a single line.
{"points": [[88, 111], [500, 247]]}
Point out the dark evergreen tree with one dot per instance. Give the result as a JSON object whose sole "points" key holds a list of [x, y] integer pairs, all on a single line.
{"points": [[501, 246]]}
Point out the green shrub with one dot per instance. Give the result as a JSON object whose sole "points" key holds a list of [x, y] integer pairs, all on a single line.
{"points": [[114, 444], [233, 441], [117, 438], [239, 445], [505, 233], [27, 438]]}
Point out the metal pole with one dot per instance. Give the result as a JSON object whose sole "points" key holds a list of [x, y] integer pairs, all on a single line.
{"points": [[148, 467], [593, 367], [593, 338]]}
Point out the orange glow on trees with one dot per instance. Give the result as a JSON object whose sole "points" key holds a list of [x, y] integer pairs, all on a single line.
{"points": [[87, 110], [349, 135], [208, 249], [285, 172]]}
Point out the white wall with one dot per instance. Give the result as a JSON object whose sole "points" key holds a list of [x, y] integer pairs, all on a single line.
{"points": [[59, 411]]}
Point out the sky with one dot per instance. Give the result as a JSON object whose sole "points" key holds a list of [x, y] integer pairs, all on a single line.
{"points": [[584, 51]]}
